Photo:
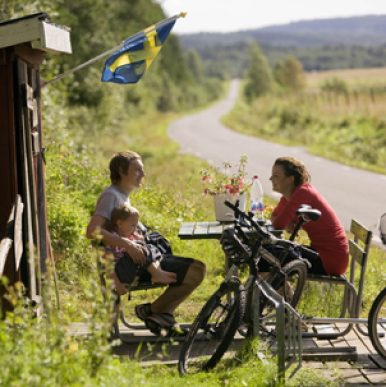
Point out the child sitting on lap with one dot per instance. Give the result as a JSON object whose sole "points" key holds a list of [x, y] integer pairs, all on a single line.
{"points": [[124, 222]]}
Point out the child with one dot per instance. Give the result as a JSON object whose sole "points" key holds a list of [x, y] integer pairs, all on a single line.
{"points": [[124, 222]]}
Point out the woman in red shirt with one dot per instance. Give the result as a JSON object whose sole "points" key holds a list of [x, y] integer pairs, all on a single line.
{"points": [[328, 238]]}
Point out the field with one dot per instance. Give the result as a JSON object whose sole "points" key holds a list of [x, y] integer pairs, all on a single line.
{"points": [[353, 77], [339, 115]]}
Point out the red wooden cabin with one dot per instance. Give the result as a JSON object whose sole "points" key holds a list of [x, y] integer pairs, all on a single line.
{"points": [[24, 246]]}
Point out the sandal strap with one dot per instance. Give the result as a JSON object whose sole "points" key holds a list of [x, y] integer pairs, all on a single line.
{"points": [[164, 320]]}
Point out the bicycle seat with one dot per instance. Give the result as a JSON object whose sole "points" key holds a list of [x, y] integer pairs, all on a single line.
{"points": [[308, 213]]}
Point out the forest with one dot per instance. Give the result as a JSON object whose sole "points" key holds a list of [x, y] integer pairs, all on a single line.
{"points": [[354, 42]]}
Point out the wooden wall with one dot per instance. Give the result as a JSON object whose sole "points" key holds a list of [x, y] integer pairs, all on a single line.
{"points": [[22, 163]]}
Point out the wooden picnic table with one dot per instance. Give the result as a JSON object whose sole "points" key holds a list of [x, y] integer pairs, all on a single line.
{"points": [[203, 230], [212, 229]]}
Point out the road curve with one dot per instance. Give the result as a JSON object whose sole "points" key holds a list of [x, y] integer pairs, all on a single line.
{"points": [[353, 193]]}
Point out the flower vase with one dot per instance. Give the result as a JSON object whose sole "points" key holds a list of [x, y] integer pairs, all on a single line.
{"points": [[224, 213]]}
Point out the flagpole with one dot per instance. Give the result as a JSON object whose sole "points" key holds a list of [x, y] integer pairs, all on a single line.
{"points": [[103, 54]]}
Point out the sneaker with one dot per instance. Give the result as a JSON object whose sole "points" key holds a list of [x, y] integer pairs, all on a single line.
{"points": [[143, 311]]}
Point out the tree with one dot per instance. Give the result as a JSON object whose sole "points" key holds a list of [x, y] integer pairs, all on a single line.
{"points": [[172, 61], [289, 74], [259, 76], [194, 63]]}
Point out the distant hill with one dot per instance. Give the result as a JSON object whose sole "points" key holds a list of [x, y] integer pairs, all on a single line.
{"points": [[361, 30], [319, 44]]}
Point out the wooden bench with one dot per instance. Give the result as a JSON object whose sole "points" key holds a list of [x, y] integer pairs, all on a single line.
{"points": [[117, 312], [359, 246]]}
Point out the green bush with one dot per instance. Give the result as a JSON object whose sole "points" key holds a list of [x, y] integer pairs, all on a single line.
{"points": [[334, 85]]}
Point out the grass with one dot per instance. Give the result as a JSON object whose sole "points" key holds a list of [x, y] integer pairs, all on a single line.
{"points": [[41, 353]]}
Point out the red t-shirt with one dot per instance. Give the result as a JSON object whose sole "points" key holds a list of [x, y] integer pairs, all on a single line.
{"points": [[326, 234]]}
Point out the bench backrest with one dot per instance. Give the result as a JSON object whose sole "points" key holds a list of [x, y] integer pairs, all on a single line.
{"points": [[359, 246]]}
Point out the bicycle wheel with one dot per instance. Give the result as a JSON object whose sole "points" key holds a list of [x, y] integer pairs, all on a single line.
{"points": [[377, 323], [213, 329], [295, 275]]}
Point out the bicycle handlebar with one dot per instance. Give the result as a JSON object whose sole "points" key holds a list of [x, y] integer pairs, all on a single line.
{"points": [[243, 215], [305, 213], [261, 247]]}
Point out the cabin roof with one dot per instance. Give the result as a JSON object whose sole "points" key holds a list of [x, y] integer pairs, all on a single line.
{"points": [[38, 30], [39, 15]]}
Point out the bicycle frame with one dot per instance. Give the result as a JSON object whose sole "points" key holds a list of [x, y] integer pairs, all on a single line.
{"points": [[244, 248], [255, 284], [259, 251]]}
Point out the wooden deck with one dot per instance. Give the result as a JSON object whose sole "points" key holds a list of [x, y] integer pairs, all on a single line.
{"points": [[364, 367], [360, 366]]}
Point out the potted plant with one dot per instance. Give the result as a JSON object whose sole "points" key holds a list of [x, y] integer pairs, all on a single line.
{"points": [[227, 183]]}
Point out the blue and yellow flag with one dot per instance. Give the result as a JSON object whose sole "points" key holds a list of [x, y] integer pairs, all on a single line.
{"points": [[129, 63]]}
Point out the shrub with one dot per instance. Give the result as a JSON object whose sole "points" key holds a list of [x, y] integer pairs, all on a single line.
{"points": [[334, 85], [290, 75]]}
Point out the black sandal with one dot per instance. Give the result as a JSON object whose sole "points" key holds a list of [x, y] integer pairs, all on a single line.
{"points": [[164, 324]]}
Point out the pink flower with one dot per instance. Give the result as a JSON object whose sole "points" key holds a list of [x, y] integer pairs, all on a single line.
{"points": [[230, 179]]}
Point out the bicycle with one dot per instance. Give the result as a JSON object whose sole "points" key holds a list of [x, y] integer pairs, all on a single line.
{"points": [[230, 307], [377, 315], [377, 323]]}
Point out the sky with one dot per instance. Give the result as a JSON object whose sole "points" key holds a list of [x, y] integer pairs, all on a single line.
{"points": [[234, 15]]}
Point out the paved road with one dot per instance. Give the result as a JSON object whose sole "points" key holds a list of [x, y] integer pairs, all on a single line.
{"points": [[353, 193]]}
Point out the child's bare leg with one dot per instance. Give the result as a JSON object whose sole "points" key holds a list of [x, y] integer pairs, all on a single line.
{"points": [[168, 301], [160, 276]]}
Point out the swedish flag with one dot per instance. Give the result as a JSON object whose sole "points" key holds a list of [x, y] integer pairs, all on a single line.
{"points": [[129, 63]]}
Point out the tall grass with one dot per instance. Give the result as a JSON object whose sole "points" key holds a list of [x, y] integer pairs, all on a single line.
{"points": [[348, 126]]}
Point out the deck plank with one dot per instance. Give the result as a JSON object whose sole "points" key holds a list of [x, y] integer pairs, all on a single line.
{"points": [[365, 371]]}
